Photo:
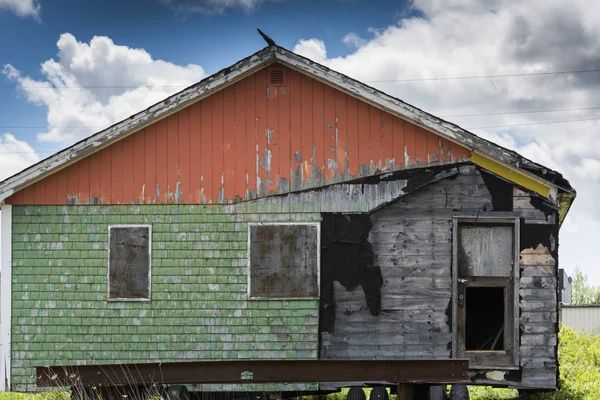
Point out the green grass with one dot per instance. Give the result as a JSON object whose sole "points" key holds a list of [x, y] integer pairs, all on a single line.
{"points": [[488, 393], [38, 396]]}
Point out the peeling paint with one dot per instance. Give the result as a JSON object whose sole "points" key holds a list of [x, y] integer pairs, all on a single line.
{"points": [[245, 67], [268, 134], [331, 164], [306, 171]]}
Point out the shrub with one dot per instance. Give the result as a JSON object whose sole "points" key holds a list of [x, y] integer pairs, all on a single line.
{"points": [[579, 358]]}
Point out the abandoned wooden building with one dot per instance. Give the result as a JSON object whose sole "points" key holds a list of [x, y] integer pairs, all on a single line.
{"points": [[281, 210]]}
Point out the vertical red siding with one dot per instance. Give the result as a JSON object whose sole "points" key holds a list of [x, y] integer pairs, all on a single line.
{"points": [[295, 116], [375, 134], [195, 153], [387, 142], [95, 188], [28, 195], [272, 137], [72, 181], [250, 134], [364, 143], [420, 146], [306, 130], [352, 135], [239, 151], [40, 192], [84, 181], [247, 140], [218, 143], [318, 131], [105, 176], [398, 141], [207, 150], [330, 128], [138, 168], [172, 164], [457, 152], [161, 161], [62, 181], [261, 128], [409, 144], [284, 135], [228, 185], [118, 177], [184, 155], [150, 181], [341, 132], [50, 195], [128, 168]]}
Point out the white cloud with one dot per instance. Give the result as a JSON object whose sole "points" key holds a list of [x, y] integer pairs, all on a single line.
{"points": [[22, 8], [211, 6], [493, 37], [353, 40], [312, 48], [93, 85], [15, 155]]}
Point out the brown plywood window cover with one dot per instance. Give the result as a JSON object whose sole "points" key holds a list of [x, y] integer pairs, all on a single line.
{"points": [[284, 261], [277, 77], [129, 262]]}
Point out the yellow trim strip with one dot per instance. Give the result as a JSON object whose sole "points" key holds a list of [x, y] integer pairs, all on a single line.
{"points": [[512, 174]]}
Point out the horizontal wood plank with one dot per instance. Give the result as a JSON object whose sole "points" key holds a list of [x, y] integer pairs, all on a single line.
{"points": [[535, 316]]}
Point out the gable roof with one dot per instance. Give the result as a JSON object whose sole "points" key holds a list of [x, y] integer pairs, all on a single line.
{"points": [[499, 160]]}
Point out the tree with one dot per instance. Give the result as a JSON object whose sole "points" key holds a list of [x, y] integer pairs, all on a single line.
{"points": [[582, 291]]}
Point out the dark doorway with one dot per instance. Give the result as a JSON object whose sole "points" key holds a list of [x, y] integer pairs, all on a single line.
{"points": [[484, 318]]}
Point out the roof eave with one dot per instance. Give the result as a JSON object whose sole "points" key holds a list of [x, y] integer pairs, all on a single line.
{"points": [[268, 55]]}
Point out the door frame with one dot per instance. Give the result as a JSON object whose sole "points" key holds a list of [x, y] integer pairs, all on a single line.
{"points": [[512, 335]]}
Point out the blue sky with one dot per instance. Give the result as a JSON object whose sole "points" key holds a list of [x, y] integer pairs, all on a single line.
{"points": [[213, 40], [107, 42]]}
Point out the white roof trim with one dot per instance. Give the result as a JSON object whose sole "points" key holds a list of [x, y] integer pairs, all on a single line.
{"points": [[238, 71]]}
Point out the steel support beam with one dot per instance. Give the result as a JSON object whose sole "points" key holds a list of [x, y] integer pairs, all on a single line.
{"points": [[256, 371]]}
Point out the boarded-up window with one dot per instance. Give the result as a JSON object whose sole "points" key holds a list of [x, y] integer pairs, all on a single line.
{"points": [[284, 260], [486, 250], [129, 262]]}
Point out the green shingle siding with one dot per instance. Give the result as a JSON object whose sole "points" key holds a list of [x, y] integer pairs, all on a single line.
{"points": [[199, 308]]}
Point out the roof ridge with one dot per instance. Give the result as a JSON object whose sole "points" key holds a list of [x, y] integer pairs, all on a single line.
{"points": [[249, 65]]}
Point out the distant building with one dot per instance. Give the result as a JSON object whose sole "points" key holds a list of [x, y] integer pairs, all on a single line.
{"points": [[584, 318], [565, 287]]}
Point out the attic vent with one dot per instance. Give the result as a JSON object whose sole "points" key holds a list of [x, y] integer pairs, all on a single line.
{"points": [[277, 77]]}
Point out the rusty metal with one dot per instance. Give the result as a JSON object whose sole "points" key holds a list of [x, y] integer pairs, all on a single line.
{"points": [[255, 371]]}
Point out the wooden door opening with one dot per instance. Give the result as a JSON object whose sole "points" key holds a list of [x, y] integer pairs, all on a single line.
{"points": [[484, 322], [485, 293]]}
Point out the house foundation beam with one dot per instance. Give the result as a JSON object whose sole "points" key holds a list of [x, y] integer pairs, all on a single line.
{"points": [[256, 371]]}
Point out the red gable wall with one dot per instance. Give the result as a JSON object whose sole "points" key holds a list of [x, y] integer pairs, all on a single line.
{"points": [[246, 141]]}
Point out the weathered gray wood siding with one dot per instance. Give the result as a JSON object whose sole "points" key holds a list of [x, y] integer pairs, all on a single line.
{"points": [[538, 300], [412, 245]]}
